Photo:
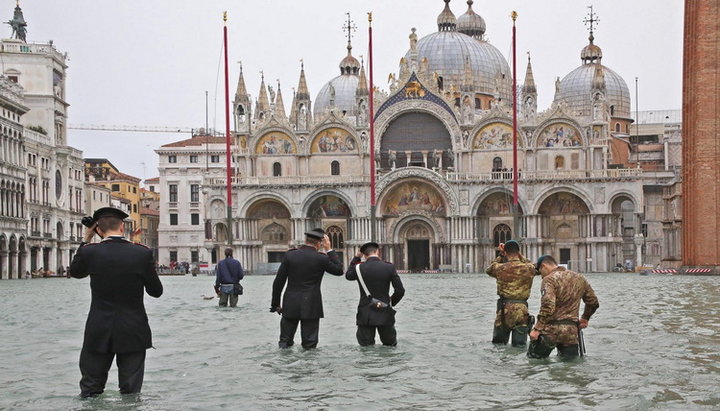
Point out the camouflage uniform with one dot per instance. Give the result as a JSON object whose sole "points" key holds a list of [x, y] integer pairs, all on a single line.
{"points": [[557, 320], [514, 281]]}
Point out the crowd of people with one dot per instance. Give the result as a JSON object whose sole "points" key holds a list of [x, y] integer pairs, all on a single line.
{"points": [[122, 271]]}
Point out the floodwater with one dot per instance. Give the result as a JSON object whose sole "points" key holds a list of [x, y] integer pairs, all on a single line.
{"points": [[653, 344]]}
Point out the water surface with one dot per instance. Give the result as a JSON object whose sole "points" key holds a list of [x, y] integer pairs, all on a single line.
{"points": [[652, 344]]}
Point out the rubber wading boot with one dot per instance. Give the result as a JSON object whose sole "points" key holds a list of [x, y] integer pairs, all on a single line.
{"points": [[519, 336], [540, 348]]}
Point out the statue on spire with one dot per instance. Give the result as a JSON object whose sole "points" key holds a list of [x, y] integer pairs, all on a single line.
{"points": [[18, 23]]}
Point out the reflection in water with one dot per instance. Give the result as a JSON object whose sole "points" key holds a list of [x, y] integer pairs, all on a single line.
{"points": [[652, 344]]}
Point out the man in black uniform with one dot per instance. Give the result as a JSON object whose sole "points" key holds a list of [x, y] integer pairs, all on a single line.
{"points": [[303, 269], [377, 275], [117, 323]]}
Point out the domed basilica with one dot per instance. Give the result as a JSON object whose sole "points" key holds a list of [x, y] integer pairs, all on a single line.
{"points": [[443, 150]]}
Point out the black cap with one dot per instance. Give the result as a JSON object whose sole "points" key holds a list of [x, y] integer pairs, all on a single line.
{"points": [[364, 247], [109, 212], [317, 233]]}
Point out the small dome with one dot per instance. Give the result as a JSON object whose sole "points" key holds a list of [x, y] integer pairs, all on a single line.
{"points": [[577, 87], [446, 21], [471, 24], [591, 53], [349, 65], [341, 89]]}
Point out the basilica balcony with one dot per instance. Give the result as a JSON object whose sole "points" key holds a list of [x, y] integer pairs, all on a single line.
{"points": [[546, 175], [290, 181]]}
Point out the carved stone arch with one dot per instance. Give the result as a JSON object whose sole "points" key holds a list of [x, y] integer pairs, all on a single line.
{"points": [[260, 135], [434, 178], [382, 122], [522, 142], [559, 189], [12, 243], [616, 195], [400, 224], [264, 195], [524, 206], [534, 142], [3, 242], [22, 244], [307, 150], [310, 199]]}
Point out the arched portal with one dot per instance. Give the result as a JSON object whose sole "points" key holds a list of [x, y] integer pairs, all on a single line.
{"points": [[332, 214], [272, 221], [564, 217], [623, 210], [418, 237]]}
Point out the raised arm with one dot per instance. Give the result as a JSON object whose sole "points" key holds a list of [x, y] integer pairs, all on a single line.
{"points": [[350, 274]]}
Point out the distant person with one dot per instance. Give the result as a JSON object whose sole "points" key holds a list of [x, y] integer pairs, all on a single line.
{"points": [[117, 324], [229, 272], [514, 276], [557, 324], [375, 310], [303, 269]]}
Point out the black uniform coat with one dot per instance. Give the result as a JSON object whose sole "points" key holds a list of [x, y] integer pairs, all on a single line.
{"points": [[378, 276], [303, 270], [119, 271]]}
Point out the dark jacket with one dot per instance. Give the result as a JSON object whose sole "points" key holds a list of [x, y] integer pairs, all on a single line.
{"points": [[119, 272], [229, 271], [378, 276], [303, 269]]}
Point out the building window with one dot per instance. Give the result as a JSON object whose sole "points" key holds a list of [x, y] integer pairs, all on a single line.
{"points": [[195, 219], [172, 159], [115, 187], [215, 159], [617, 127], [559, 163], [134, 208], [173, 193], [173, 255], [194, 256], [173, 219], [277, 169], [497, 164], [612, 111], [193, 159], [134, 190], [335, 168], [194, 193]]}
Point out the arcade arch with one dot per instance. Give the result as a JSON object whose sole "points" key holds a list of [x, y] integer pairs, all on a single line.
{"points": [[416, 138]]}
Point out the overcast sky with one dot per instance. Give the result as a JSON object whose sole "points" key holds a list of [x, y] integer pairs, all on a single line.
{"points": [[149, 62]]}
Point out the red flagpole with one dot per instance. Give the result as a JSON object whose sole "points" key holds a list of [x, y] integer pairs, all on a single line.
{"points": [[372, 133], [228, 165], [515, 120]]}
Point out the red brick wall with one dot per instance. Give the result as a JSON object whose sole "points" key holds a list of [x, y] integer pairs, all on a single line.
{"points": [[701, 133]]}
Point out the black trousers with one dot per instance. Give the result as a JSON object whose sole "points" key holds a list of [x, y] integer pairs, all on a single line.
{"points": [[94, 367], [366, 334], [309, 331]]}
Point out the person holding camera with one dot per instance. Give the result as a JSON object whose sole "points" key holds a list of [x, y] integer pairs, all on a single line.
{"points": [[375, 309], [303, 270], [117, 324], [227, 279], [514, 275]]}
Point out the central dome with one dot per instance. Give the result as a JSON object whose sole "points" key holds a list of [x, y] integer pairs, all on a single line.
{"points": [[447, 50], [576, 90]]}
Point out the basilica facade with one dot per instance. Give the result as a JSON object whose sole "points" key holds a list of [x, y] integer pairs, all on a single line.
{"points": [[444, 159]]}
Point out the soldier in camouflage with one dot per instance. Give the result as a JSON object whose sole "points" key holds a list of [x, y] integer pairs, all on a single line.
{"points": [[514, 275], [557, 324]]}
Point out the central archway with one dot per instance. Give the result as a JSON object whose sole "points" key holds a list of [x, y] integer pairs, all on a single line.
{"points": [[417, 238]]}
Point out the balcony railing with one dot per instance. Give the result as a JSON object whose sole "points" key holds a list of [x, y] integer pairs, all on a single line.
{"points": [[287, 180], [547, 175]]}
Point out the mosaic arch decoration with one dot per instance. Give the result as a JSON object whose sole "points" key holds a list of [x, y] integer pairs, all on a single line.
{"points": [[275, 142], [334, 140], [268, 209], [559, 135], [414, 196], [329, 206], [563, 204], [497, 204], [494, 135]]}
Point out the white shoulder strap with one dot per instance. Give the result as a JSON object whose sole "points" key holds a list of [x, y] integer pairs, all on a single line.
{"points": [[360, 278]]}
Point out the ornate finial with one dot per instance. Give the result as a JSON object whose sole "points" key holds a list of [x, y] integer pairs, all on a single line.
{"points": [[470, 3], [362, 61], [528, 53], [240, 63], [349, 27], [225, 16], [590, 21], [514, 16], [369, 17], [262, 76], [302, 64]]}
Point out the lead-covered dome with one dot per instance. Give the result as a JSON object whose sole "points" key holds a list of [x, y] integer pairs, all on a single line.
{"points": [[340, 91], [577, 88], [447, 50], [471, 23]]}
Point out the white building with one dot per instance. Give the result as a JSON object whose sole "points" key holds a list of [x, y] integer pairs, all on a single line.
{"points": [[183, 214], [54, 178]]}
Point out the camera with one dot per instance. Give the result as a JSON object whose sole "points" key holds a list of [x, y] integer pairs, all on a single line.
{"points": [[87, 221]]}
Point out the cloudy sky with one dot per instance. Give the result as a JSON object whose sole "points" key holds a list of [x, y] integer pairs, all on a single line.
{"points": [[149, 62]]}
